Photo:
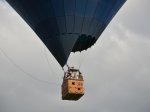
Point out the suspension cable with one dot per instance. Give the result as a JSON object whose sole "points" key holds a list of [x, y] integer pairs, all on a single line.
{"points": [[26, 73]]}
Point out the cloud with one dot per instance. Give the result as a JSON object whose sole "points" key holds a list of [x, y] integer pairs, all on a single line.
{"points": [[136, 17]]}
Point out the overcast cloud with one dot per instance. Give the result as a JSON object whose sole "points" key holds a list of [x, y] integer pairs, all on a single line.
{"points": [[116, 69]]}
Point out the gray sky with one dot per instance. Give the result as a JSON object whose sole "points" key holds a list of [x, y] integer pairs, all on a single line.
{"points": [[116, 69]]}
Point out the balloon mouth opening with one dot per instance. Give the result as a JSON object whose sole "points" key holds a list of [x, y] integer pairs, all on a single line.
{"points": [[83, 42]]}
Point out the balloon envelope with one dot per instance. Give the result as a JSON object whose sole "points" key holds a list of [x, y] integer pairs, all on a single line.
{"points": [[67, 26]]}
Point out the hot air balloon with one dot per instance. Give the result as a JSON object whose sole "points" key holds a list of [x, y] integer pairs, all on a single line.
{"points": [[67, 26]]}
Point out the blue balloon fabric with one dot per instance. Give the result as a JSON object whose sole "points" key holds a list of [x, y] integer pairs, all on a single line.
{"points": [[67, 26]]}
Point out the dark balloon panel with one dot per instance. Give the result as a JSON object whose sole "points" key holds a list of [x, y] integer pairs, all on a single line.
{"points": [[67, 26]]}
